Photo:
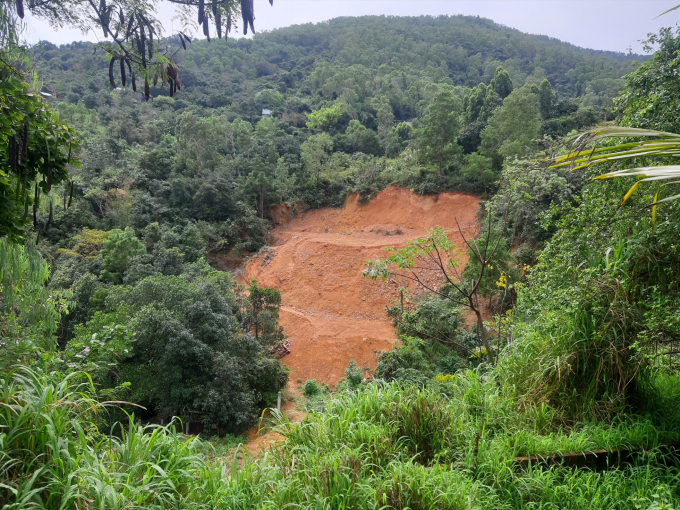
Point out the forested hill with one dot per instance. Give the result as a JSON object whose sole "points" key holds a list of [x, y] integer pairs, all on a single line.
{"points": [[295, 69]]}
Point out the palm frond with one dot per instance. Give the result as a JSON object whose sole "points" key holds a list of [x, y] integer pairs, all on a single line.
{"points": [[669, 10], [662, 145]]}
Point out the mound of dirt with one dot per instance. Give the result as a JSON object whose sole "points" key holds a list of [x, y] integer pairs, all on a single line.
{"points": [[331, 313]]}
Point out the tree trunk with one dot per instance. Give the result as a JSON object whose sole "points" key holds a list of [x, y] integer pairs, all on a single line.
{"points": [[481, 332], [261, 204], [482, 335]]}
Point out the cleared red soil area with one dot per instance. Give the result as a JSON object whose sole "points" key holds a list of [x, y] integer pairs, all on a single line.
{"points": [[331, 313]]}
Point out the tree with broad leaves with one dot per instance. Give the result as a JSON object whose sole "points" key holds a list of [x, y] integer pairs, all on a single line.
{"points": [[431, 263], [440, 128], [36, 148]]}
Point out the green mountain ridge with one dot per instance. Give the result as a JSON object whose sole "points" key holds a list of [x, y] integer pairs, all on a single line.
{"points": [[353, 59]]}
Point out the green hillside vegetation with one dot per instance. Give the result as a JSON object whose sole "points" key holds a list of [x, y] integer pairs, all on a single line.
{"points": [[113, 307]]}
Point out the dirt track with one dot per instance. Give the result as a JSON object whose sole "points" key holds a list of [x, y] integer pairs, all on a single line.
{"points": [[330, 312]]}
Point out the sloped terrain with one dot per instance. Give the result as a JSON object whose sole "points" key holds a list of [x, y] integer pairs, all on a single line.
{"points": [[331, 313]]}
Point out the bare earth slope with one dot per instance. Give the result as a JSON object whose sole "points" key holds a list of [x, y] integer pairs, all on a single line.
{"points": [[330, 312]]}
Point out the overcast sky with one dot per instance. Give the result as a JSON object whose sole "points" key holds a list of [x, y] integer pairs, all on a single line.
{"points": [[615, 25]]}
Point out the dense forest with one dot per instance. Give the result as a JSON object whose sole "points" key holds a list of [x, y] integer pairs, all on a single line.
{"points": [[119, 216]]}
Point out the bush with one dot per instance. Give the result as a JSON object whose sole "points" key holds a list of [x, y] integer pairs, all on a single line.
{"points": [[311, 388], [353, 374], [190, 356]]}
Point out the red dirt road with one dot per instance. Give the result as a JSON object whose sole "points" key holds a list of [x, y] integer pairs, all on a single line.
{"points": [[330, 312]]}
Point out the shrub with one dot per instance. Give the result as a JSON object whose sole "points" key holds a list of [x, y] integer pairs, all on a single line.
{"points": [[190, 356], [353, 374], [311, 388]]}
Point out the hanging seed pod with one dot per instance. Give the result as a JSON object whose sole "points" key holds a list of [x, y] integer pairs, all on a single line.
{"points": [[109, 12], [187, 38], [251, 21], [181, 39], [128, 32], [113, 61], [175, 77], [201, 11], [115, 35], [150, 41], [121, 17], [206, 28], [214, 7], [150, 29], [20, 8], [140, 48], [226, 36], [35, 206], [13, 153], [155, 79], [146, 89], [102, 17], [218, 23], [49, 219], [142, 34], [70, 196], [245, 14], [123, 77], [271, 2], [20, 145], [172, 79], [134, 83], [23, 149], [127, 61], [142, 43], [49, 176]]}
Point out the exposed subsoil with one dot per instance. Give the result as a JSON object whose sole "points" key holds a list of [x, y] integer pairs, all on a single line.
{"points": [[330, 312]]}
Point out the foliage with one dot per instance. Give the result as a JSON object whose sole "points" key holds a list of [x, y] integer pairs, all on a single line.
{"points": [[311, 388], [585, 353], [325, 118], [314, 153], [430, 264], [29, 312], [117, 251], [513, 128], [206, 157], [582, 322], [440, 128], [131, 27], [53, 456], [663, 145], [386, 445], [502, 83], [189, 357], [650, 98], [38, 147], [353, 374], [262, 314], [420, 361]]}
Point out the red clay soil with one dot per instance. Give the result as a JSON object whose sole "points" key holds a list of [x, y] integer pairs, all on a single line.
{"points": [[331, 313]]}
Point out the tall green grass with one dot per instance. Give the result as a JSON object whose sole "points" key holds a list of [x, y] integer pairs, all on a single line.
{"points": [[380, 447]]}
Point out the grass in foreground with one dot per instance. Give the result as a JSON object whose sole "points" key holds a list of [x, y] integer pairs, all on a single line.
{"points": [[384, 446]]}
